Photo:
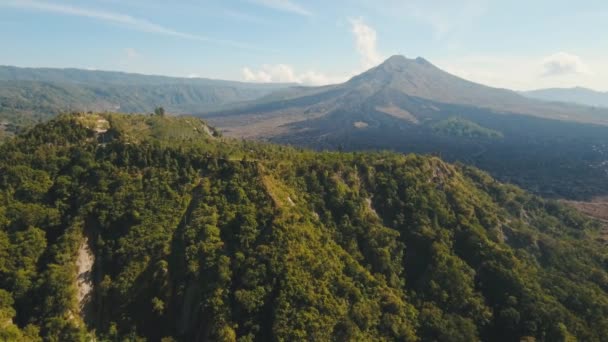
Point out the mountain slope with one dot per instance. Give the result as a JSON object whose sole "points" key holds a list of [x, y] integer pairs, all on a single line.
{"points": [[202, 238], [399, 79], [578, 95], [28, 95], [419, 78], [400, 104]]}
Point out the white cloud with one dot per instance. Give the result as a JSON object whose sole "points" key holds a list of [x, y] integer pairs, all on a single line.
{"points": [[365, 40], [282, 73], [116, 18], [262, 76], [283, 5], [563, 63], [131, 53], [365, 43]]}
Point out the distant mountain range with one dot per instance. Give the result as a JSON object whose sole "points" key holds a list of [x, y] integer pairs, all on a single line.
{"points": [[578, 95], [407, 105], [410, 105], [31, 94]]}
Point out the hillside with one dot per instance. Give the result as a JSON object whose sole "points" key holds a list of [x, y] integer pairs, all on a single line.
{"points": [[28, 95], [188, 235], [578, 95], [555, 150]]}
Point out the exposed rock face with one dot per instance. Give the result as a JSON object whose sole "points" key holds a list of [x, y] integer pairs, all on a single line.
{"points": [[84, 281], [101, 126]]}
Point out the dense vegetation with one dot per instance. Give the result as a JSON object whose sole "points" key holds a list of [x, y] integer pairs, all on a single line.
{"points": [[196, 237], [460, 127]]}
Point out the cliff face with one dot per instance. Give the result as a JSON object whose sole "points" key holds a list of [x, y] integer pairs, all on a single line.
{"points": [[84, 282]]}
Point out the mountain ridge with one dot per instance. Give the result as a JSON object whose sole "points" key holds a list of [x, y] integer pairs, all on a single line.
{"points": [[580, 95], [198, 237], [80, 75], [28, 95]]}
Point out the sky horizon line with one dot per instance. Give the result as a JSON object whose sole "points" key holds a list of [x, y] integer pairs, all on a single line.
{"points": [[202, 77]]}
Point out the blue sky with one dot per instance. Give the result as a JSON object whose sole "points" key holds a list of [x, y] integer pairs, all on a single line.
{"points": [[514, 44]]}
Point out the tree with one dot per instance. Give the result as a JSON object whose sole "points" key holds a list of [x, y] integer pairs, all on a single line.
{"points": [[160, 111]]}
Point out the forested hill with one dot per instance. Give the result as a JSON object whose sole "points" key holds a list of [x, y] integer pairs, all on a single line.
{"points": [[150, 227], [29, 95]]}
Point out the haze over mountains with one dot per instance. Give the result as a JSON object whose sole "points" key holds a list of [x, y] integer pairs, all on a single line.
{"points": [[578, 95]]}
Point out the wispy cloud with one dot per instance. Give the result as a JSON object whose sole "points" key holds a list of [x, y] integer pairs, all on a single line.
{"points": [[241, 16], [525, 72], [129, 58], [447, 16], [443, 17], [131, 22], [365, 40], [283, 5]]}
